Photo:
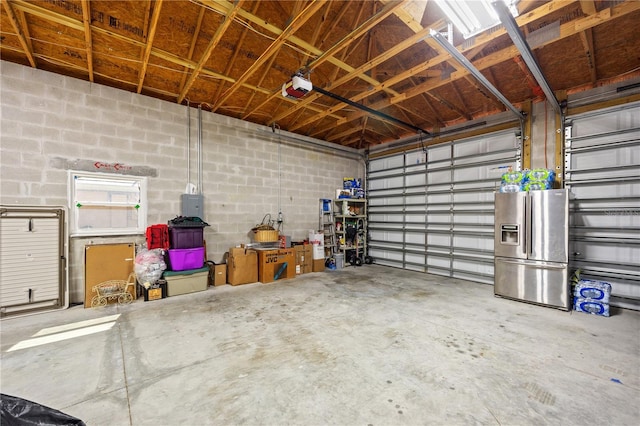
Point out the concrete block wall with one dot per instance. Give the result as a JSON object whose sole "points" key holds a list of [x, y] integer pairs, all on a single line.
{"points": [[49, 123]]}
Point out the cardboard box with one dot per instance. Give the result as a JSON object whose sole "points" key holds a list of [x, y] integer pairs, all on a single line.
{"points": [[304, 260], [220, 274], [276, 264], [242, 266], [183, 282], [318, 265], [316, 239]]}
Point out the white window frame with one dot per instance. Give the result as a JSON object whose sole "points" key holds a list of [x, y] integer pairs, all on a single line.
{"points": [[74, 216]]}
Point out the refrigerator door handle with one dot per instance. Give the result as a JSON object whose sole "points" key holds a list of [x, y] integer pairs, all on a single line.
{"points": [[527, 228], [542, 265]]}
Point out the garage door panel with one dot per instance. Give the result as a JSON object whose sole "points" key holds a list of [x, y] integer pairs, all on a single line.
{"points": [[603, 174], [445, 204]]}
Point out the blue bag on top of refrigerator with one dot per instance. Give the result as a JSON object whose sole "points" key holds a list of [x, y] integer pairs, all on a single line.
{"points": [[590, 306], [537, 185], [541, 175], [510, 187], [513, 177], [593, 290], [512, 181]]}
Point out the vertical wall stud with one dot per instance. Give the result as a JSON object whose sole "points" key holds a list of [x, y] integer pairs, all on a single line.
{"points": [[526, 136], [559, 154]]}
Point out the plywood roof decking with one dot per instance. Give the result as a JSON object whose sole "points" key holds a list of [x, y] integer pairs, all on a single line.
{"points": [[233, 57]]}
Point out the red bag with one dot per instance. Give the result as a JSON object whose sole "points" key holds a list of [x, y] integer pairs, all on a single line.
{"points": [[158, 237]]}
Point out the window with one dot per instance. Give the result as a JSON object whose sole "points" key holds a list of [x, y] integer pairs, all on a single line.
{"points": [[473, 16], [104, 204]]}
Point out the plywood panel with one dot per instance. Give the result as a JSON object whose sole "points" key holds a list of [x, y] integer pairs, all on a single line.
{"points": [[106, 262]]}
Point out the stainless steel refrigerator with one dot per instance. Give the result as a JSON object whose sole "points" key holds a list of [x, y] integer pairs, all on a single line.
{"points": [[531, 247]]}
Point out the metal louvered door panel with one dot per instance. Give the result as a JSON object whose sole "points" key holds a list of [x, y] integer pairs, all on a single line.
{"points": [[32, 261], [602, 162], [432, 210]]}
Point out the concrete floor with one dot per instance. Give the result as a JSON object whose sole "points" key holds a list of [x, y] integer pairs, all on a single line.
{"points": [[368, 346]]}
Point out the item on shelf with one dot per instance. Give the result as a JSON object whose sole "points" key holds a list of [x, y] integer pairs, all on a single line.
{"points": [[343, 193], [349, 183], [351, 229]]}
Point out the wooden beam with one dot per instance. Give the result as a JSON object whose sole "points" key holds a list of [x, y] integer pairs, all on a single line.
{"points": [[559, 142], [234, 56], [149, 43], [192, 47], [588, 7], [86, 20], [358, 32], [527, 134], [223, 5], [566, 30], [601, 105], [400, 47], [313, 64], [293, 26], [158, 53], [18, 29], [217, 36], [586, 37], [463, 111], [444, 139]]}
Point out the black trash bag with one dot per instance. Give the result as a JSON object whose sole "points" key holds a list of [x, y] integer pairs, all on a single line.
{"points": [[187, 222], [20, 412]]}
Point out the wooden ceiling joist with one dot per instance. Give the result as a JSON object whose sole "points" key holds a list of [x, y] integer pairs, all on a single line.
{"points": [[86, 20], [293, 26], [18, 29], [226, 23], [192, 47], [324, 56], [233, 56], [149, 43], [566, 30]]}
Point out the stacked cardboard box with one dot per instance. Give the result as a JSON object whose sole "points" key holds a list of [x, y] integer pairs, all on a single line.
{"points": [[275, 264], [242, 266], [304, 258], [220, 274]]}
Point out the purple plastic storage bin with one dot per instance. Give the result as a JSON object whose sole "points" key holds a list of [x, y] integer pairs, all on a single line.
{"points": [[183, 259], [184, 238]]}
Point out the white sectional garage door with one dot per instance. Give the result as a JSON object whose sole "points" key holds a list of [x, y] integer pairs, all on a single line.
{"points": [[603, 172], [431, 210]]}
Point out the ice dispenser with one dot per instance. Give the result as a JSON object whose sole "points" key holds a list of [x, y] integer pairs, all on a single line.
{"points": [[510, 234]]}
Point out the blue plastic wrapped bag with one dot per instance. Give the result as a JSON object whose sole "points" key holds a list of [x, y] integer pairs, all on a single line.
{"points": [[590, 306], [599, 291]]}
